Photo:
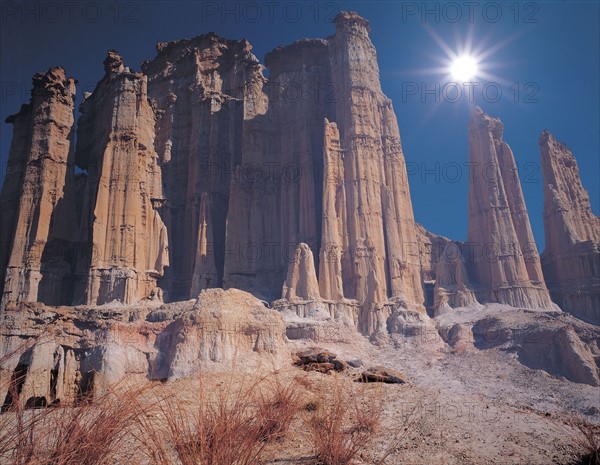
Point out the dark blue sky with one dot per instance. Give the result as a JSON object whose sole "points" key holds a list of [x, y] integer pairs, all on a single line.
{"points": [[542, 56]]}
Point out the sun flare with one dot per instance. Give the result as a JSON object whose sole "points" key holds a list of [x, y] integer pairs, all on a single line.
{"points": [[464, 68]]}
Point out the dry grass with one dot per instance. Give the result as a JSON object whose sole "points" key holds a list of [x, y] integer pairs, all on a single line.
{"points": [[277, 408], [228, 427], [586, 438], [345, 424], [230, 424], [89, 433]]}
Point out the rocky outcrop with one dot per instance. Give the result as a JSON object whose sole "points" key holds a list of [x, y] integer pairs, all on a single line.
{"points": [[571, 259], [504, 259], [321, 360], [307, 315], [201, 172], [380, 374], [548, 340], [120, 218], [205, 272], [275, 202], [334, 241], [301, 281], [36, 206], [59, 354], [453, 288]]}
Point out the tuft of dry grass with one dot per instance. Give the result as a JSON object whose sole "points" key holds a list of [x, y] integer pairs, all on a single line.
{"points": [[228, 427], [277, 408], [345, 424], [586, 438], [90, 433]]}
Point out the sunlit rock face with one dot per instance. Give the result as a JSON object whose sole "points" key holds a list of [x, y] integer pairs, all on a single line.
{"points": [[201, 172], [37, 202], [61, 354], [120, 218], [571, 259], [280, 151], [504, 262]]}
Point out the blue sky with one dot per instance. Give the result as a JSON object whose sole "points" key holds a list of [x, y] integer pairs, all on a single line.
{"points": [[542, 56]]}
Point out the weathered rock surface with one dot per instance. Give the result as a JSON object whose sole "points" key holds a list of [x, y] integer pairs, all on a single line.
{"points": [[381, 258], [201, 152], [203, 90], [115, 144], [321, 360], [504, 261], [571, 259], [201, 172], [36, 209], [59, 353], [380, 374], [301, 281], [452, 286], [549, 340]]}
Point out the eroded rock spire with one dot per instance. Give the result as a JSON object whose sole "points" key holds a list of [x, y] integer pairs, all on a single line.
{"points": [[34, 206], [120, 219], [504, 260], [571, 259]]}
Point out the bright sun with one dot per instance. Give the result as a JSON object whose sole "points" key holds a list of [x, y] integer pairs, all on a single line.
{"points": [[464, 68]]}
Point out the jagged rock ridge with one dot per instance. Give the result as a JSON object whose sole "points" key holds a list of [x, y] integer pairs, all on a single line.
{"points": [[201, 152]]}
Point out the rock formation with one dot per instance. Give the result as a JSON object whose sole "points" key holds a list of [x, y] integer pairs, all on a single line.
{"points": [[202, 89], [452, 285], [549, 340], [334, 241], [205, 271], [571, 259], [301, 281], [256, 147], [59, 354], [35, 205], [383, 260], [115, 144], [200, 172], [503, 256]]}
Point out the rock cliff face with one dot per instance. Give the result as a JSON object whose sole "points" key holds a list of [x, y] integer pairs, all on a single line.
{"points": [[571, 259], [504, 259], [202, 89], [301, 281], [452, 285], [200, 172], [257, 152], [36, 206], [115, 144]]}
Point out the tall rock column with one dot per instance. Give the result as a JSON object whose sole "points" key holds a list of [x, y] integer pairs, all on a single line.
{"points": [[33, 194], [571, 259], [503, 259], [115, 144], [334, 238], [382, 242], [205, 271]]}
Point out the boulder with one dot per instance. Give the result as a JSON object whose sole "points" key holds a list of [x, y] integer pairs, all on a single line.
{"points": [[380, 374]]}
